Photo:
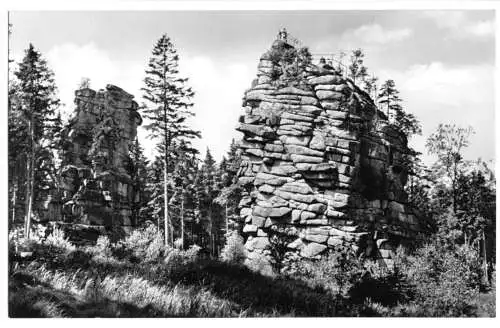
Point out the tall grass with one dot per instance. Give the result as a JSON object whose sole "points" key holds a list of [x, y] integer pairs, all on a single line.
{"points": [[108, 280]]}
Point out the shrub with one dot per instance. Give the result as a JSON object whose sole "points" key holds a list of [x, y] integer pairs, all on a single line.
{"points": [[58, 242], [336, 272], [288, 62], [102, 251], [234, 249], [178, 243], [176, 260], [279, 239], [446, 281], [193, 253], [18, 243], [145, 244], [155, 249], [260, 264]]}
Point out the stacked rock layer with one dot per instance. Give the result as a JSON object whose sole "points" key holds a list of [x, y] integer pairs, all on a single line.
{"points": [[321, 165], [96, 186]]}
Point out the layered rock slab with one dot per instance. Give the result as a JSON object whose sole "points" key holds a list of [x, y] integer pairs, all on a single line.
{"points": [[321, 165], [95, 182]]}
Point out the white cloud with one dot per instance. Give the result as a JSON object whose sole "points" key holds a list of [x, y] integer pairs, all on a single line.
{"points": [[71, 62], [439, 93], [460, 26], [374, 33], [481, 29], [435, 92], [446, 19], [218, 87], [370, 37]]}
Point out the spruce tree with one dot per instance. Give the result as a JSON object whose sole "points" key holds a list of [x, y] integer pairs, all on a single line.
{"points": [[389, 98], [154, 189], [230, 191], [371, 86], [167, 107], [209, 213], [356, 68], [17, 151], [183, 198], [37, 103], [138, 170]]}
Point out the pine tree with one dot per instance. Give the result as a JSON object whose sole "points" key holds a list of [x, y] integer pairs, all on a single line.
{"points": [[209, 213], [17, 151], [230, 191], [356, 68], [405, 122], [138, 170], [183, 198], [155, 191], [371, 86], [37, 104], [389, 98], [168, 103]]}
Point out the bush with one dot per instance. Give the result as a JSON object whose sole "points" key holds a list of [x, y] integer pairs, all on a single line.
{"points": [[102, 251], [155, 249], [57, 242], [145, 244], [446, 281], [178, 243], [18, 243], [176, 260], [288, 63], [193, 253], [337, 272], [234, 249]]}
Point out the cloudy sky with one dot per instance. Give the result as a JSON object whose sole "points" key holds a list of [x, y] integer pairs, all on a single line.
{"points": [[442, 61]]}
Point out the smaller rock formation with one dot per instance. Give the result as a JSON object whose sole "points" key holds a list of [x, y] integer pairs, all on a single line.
{"points": [[95, 182]]}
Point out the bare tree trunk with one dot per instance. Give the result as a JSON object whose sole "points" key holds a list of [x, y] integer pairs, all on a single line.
{"points": [[165, 201], [14, 198], [485, 261], [182, 221], [29, 182], [211, 236], [388, 109], [26, 201], [227, 221], [454, 187], [26, 197], [171, 232], [30, 199]]}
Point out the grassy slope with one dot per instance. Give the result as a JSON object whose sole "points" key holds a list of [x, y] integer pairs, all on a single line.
{"points": [[62, 287], [80, 285]]}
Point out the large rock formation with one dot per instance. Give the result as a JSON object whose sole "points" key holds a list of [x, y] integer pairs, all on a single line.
{"points": [[95, 182], [320, 164]]}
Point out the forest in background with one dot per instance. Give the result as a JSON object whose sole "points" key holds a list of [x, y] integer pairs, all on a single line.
{"points": [[185, 247]]}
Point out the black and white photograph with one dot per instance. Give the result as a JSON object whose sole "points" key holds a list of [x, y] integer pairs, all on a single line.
{"points": [[253, 162]]}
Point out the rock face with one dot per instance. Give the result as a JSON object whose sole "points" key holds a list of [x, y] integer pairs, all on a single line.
{"points": [[320, 164], [95, 182]]}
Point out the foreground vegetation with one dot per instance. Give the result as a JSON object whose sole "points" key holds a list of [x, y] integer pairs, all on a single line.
{"points": [[138, 277], [195, 202]]}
